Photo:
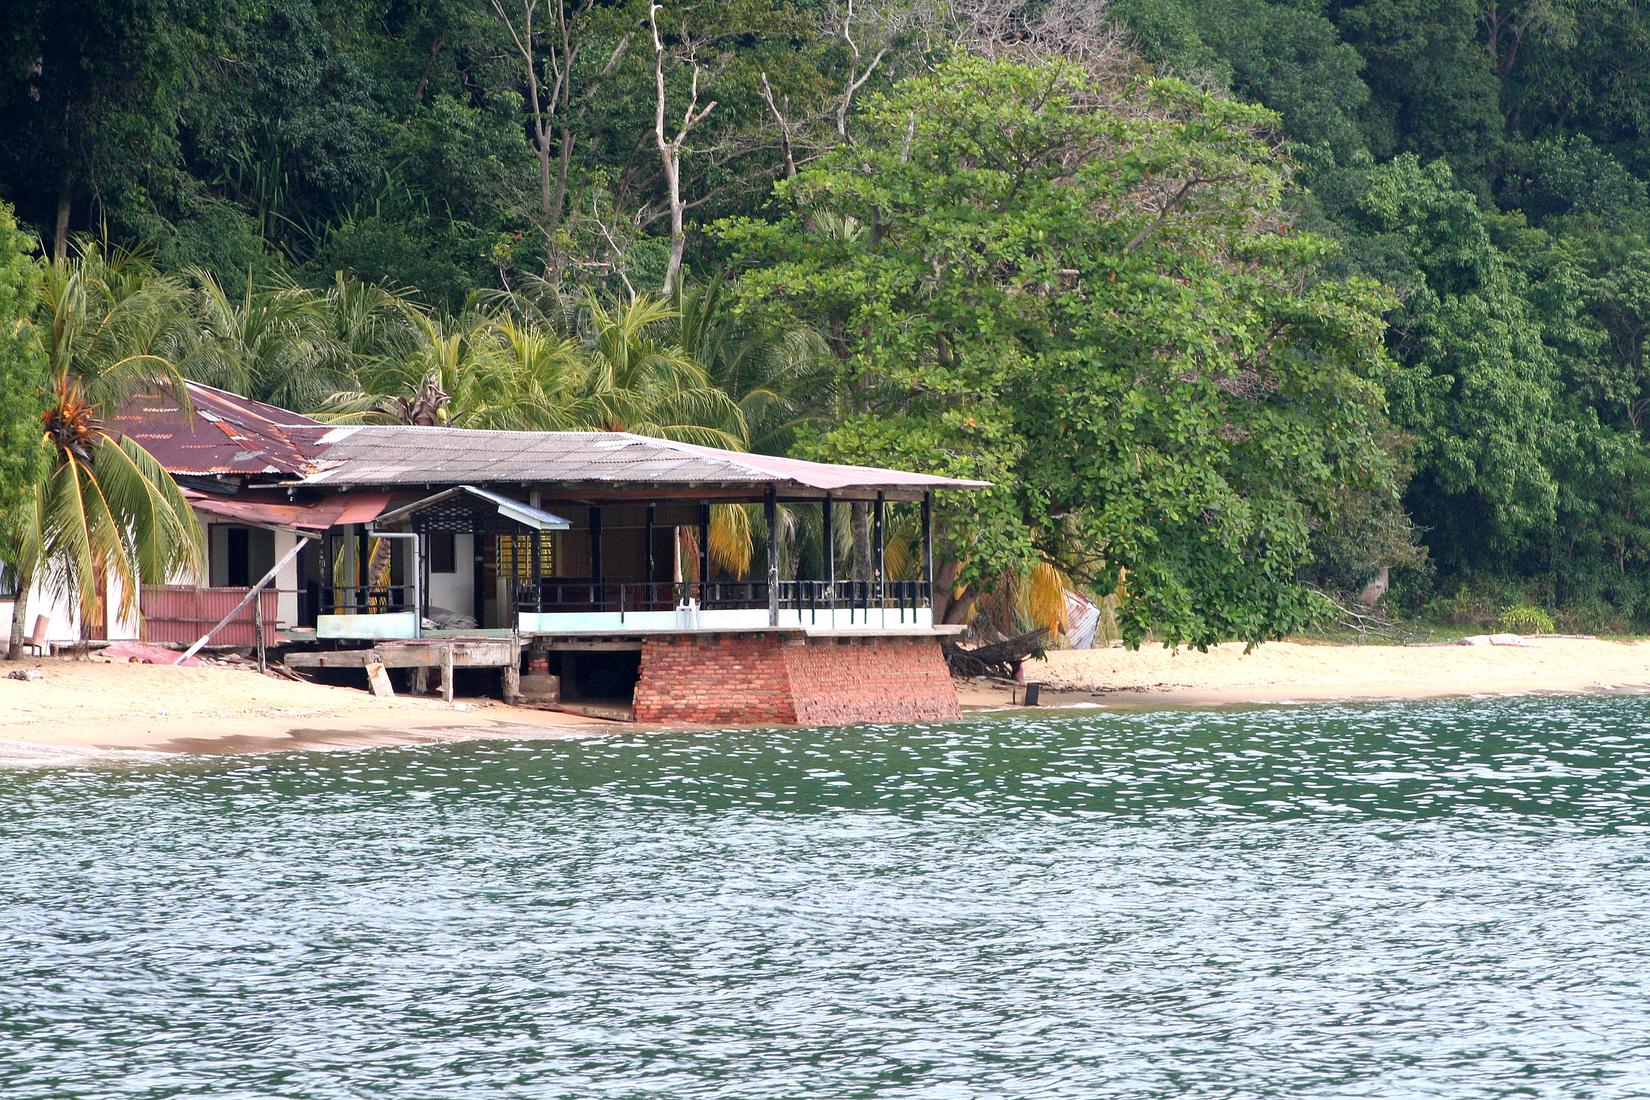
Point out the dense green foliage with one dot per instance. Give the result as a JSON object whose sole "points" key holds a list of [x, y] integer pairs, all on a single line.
{"points": [[458, 205], [22, 373], [1148, 384]]}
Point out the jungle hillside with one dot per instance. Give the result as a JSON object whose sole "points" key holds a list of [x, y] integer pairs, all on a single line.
{"points": [[1257, 314]]}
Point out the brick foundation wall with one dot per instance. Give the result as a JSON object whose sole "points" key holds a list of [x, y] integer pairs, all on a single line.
{"points": [[838, 682], [748, 679]]}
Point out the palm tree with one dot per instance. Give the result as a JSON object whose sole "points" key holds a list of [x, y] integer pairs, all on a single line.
{"points": [[641, 380], [106, 510], [782, 379], [283, 344]]}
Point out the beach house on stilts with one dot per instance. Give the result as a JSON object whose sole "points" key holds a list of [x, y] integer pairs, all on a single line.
{"points": [[584, 556]]}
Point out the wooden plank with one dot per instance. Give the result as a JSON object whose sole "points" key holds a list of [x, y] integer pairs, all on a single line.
{"points": [[347, 658], [379, 680], [447, 673]]}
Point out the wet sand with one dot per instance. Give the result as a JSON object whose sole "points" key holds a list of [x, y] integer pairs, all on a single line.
{"points": [[92, 706]]}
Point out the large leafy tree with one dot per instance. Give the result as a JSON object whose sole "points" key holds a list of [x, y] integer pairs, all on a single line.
{"points": [[1088, 296]]}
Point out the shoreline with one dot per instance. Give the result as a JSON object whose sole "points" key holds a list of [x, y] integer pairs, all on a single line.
{"points": [[92, 708]]}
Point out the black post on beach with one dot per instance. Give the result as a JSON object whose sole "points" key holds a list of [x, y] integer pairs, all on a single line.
{"points": [[770, 512]]}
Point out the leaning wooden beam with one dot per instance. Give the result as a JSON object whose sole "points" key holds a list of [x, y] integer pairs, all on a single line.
{"points": [[250, 595]]}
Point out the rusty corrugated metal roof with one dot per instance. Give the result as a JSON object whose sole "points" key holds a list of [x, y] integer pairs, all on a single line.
{"points": [[377, 455], [271, 509], [236, 436], [227, 434]]}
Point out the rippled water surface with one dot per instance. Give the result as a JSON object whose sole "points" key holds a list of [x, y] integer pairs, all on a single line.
{"points": [[1445, 900]]}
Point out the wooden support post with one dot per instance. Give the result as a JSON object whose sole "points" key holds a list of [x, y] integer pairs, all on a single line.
{"points": [[928, 545], [704, 554], [447, 673], [258, 633], [596, 557], [828, 525], [648, 600], [770, 513], [882, 571], [420, 681], [511, 678]]}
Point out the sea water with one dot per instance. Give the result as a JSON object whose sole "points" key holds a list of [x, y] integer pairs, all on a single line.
{"points": [[1428, 900]]}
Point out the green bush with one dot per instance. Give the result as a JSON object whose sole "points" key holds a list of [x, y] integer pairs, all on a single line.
{"points": [[1525, 618]]}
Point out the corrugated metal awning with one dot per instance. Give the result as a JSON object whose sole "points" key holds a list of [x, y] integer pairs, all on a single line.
{"points": [[334, 511], [514, 510]]}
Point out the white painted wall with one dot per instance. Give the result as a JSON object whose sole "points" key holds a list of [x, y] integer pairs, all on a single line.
{"points": [[456, 590]]}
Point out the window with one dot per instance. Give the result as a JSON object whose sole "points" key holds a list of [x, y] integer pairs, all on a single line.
{"points": [[238, 557], [515, 557], [443, 550]]}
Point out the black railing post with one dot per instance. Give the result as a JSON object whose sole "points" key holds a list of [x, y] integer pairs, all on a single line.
{"points": [[828, 525], [363, 568]]}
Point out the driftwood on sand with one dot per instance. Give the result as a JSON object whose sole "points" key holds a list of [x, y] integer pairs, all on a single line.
{"points": [[995, 658]]}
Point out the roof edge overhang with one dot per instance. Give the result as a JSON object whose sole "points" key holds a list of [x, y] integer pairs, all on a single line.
{"points": [[516, 511]]}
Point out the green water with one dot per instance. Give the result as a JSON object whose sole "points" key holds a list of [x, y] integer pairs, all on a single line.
{"points": [[1442, 900]]}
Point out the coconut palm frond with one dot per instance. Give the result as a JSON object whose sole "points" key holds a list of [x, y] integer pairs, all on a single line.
{"points": [[732, 537]]}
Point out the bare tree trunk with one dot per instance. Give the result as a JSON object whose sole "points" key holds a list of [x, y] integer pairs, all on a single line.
{"points": [[429, 67], [670, 148]]}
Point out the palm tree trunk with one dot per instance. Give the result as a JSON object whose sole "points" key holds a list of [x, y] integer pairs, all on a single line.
{"points": [[19, 618], [859, 526]]}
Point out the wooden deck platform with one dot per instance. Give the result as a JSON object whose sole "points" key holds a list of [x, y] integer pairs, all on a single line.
{"points": [[422, 655]]}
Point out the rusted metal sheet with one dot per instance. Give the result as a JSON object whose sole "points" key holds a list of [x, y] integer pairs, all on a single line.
{"points": [[181, 613], [396, 454], [224, 434], [263, 508]]}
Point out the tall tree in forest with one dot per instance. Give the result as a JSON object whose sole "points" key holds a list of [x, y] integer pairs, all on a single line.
{"points": [[1101, 309], [92, 93]]}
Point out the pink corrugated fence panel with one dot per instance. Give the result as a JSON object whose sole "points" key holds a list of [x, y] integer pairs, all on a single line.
{"points": [[181, 613]]}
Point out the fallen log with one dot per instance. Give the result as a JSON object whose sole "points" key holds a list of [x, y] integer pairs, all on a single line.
{"points": [[995, 658]]}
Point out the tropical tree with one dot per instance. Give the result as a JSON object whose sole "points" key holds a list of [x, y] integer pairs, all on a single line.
{"points": [[271, 343], [106, 514], [23, 388], [1093, 298]]}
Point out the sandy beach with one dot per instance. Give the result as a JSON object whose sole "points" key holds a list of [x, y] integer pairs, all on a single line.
{"points": [[92, 705], [95, 704], [1281, 672]]}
